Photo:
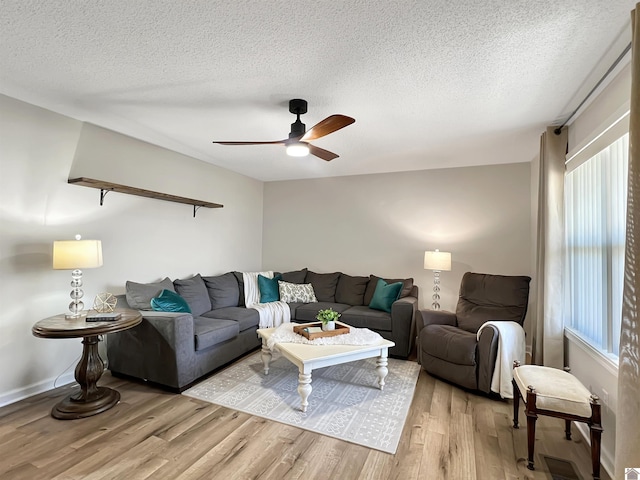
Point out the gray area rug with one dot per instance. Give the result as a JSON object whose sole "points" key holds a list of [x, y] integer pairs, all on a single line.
{"points": [[345, 402]]}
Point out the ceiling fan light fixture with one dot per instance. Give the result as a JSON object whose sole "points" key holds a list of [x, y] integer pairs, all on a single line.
{"points": [[298, 149]]}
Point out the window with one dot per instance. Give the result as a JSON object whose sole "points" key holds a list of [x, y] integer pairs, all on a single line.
{"points": [[595, 219]]}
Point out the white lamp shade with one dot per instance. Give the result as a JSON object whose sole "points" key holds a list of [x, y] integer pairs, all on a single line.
{"points": [[439, 261], [72, 254]]}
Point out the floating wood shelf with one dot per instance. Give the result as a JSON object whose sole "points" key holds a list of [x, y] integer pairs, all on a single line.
{"points": [[106, 187]]}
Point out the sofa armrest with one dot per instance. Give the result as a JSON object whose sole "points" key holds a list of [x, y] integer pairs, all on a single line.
{"points": [[403, 324], [160, 349], [487, 353]]}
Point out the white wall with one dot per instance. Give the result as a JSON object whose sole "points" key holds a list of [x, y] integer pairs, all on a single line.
{"points": [[381, 224], [595, 371], [143, 239]]}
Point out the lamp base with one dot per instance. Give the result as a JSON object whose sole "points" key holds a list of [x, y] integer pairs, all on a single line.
{"points": [[73, 316], [436, 289]]}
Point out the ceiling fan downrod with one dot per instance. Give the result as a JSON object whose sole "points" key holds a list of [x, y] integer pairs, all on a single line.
{"points": [[298, 107]]}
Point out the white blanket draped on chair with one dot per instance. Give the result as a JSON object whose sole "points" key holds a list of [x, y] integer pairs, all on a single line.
{"points": [[511, 346], [272, 314]]}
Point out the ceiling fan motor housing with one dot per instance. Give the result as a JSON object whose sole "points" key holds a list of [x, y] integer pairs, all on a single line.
{"points": [[298, 107]]}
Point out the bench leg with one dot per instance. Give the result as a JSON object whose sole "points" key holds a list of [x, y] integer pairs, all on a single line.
{"points": [[595, 430], [531, 438], [532, 416], [567, 429], [516, 403], [596, 434]]}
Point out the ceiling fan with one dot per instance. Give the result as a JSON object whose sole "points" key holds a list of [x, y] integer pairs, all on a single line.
{"points": [[298, 142]]}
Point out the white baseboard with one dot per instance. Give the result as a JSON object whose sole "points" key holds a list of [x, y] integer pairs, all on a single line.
{"points": [[36, 388]]}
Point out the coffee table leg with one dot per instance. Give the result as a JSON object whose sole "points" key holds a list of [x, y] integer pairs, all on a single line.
{"points": [[304, 389], [266, 356], [382, 370]]}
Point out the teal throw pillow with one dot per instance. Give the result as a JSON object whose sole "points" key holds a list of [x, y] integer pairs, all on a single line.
{"points": [[268, 287], [169, 301], [385, 295]]}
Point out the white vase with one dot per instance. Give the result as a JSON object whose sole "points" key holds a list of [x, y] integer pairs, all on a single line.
{"points": [[328, 326]]}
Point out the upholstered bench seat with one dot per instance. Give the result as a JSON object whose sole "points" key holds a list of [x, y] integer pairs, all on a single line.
{"points": [[556, 390], [556, 393]]}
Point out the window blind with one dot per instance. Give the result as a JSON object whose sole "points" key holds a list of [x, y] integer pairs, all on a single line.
{"points": [[595, 213]]}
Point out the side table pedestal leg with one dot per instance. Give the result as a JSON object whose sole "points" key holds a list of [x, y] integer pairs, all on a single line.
{"points": [[91, 399]]}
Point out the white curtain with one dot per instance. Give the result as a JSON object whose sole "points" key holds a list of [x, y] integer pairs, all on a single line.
{"points": [[628, 411], [548, 342]]}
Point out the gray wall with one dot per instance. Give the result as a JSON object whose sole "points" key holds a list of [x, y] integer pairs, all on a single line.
{"points": [[381, 224], [143, 239]]}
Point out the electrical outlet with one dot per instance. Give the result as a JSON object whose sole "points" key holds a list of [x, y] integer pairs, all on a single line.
{"points": [[605, 397]]}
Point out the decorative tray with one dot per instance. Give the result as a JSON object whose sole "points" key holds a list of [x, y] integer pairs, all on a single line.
{"points": [[341, 329]]}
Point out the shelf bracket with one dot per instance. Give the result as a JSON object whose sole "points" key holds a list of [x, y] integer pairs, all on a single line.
{"points": [[103, 193], [195, 209]]}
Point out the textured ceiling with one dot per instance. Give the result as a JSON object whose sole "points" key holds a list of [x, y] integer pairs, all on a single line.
{"points": [[431, 84]]}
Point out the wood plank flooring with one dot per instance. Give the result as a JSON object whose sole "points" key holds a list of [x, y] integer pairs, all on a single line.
{"points": [[449, 434]]}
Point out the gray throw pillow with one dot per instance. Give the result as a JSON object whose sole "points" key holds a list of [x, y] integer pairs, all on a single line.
{"points": [[223, 290], [407, 286], [324, 285], [297, 276], [351, 290], [139, 295], [194, 291]]}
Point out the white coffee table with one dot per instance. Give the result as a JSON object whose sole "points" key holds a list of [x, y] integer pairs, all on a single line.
{"points": [[309, 357]]}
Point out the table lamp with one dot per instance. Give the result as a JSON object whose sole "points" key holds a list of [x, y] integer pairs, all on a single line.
{"points": [[75, 255], [438, 262]]}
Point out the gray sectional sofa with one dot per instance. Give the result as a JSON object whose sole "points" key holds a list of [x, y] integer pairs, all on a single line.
{"points": [[175, 349]]}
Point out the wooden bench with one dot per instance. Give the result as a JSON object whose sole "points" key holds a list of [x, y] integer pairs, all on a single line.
{"points": [[556, 393]]}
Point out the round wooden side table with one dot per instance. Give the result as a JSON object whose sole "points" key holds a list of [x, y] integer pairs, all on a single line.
{"points": [[91, 399]]}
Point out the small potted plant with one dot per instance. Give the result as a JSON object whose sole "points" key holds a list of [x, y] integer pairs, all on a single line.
{"points": [[328, 318]]}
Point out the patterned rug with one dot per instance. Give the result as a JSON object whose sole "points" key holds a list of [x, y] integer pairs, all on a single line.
{"points": [[345, 402]]}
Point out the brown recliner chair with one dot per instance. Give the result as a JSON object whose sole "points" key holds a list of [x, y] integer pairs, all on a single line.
{"points": [[447, 342]]}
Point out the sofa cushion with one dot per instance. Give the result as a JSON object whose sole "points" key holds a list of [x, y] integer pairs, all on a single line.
{"points": [[211, 331], [268, 287], [293, 292], [308, 311], [222, 290], [449, 343], [297, 276], [293, 306], [324, 285], [169, 301], [194, 291], [364, 317], [240, 279], [139, 295], [385, 295], [350, 290], [407, 285], [246, 317]]}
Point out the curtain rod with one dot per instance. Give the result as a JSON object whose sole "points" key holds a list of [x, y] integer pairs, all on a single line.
{"points": [[606, 74]]}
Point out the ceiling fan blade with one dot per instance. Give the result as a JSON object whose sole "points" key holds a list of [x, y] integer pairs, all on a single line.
{"points": [[322, 153], [276, 142], [327, 126]]}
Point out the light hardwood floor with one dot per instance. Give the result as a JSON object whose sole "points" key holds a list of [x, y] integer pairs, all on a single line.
{"points": [[449, 434]]}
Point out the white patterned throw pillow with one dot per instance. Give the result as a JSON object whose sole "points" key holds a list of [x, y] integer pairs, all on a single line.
{"points": [[294, 292]]}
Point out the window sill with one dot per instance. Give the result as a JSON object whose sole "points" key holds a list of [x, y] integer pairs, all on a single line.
{"points": [[607, 360]]}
